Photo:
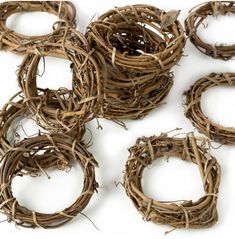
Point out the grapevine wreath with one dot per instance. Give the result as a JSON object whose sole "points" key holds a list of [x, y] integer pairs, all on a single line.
{"points": [[63, 109], [193, 111], [137, 47], [20, 44], [188, 214], [197, 17], [56, 147]]}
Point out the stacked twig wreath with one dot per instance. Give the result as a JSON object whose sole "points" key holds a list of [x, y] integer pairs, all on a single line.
{"points": [[20, 44], [196, 18], [193, 111], [55, 146], [188, 214], [138, 46]]}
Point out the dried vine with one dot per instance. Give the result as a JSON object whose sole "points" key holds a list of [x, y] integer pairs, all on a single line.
{"points": [[137, 47], [196, 18], [55, 147], [183, 214], [20, 44], [193, 111]]}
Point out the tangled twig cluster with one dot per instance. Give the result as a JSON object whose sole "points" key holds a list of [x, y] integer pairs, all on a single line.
{"points": [[188, 214], [137, 46], [193, 111], [197, 17], [37, 152]]}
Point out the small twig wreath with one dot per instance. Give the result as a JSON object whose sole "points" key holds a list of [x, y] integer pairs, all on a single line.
{"points": [[137, 46], [59, 147], [187, 214], [140, 38], [16, 109], [196, 18], [20, 44], [10, 114], [193, 111], [63, 109]]}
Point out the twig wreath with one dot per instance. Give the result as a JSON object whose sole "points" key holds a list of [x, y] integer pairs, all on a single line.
{"points": [[137, 47], [55, 146], [125, 29], [63, 109], [20, 44], [193, 111], [196, 18], [185, 214], [16, 109]]}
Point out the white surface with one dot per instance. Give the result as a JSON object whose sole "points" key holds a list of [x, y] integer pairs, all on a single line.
{"points": [[110, 209]]}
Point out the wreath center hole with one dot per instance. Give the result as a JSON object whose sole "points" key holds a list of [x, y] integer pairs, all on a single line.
{"points": [[31, 23], [218, 105], [56, 73], [172, 179], [21, 128], [49, 195], [215, 31]]}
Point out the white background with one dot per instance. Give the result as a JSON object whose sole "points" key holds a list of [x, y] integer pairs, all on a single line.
{"points": [[110, 209]]}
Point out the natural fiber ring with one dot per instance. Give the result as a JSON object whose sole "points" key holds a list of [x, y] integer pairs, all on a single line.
{"points": [[57, 146], [124, 39], [70, 107], [20, 44], [187, 214], [193, 111], [196, 18], [16, 109]]}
